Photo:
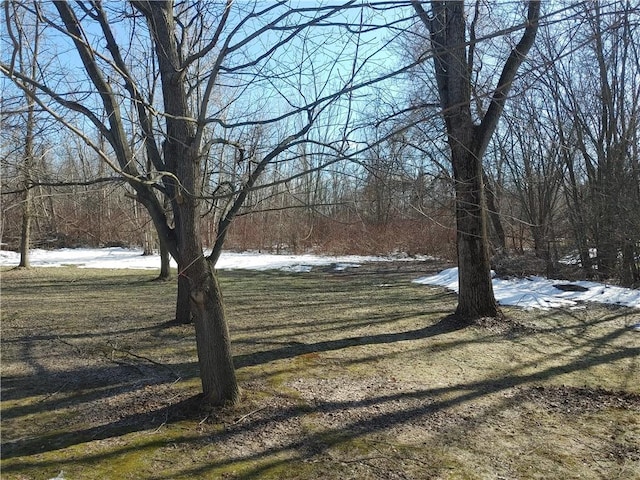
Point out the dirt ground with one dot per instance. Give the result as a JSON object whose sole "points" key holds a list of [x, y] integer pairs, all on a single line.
{"points": [[344, 374]]}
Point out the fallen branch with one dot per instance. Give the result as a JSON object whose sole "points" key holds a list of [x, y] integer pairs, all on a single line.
{"points": [[115, 348], [240, 419], [78, 350], [53, 393]]}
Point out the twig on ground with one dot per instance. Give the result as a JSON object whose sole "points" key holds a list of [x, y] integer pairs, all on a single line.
{"points": [[240, 419], [166, 420], [72, 345], [54, 393], [115, 348]]}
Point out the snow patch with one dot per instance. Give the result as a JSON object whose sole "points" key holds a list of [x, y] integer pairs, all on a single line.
{"points": [[116, 257], [542, 293], [530, 292]]}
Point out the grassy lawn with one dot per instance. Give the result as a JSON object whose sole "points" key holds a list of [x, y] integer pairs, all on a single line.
{"points": [[357, 374]]}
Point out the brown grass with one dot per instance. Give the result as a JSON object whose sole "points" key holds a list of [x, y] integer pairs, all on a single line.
{"points": [[356, 374]]}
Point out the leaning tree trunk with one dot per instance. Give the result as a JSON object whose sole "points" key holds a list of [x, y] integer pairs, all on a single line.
{"points": [[180, 161], [182, 158], [217, 372]]}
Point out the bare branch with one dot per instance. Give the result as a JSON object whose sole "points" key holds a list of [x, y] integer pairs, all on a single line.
{"points": [[117, 134], [152, 149], [511, 66], [85, 183], [214, 41]]}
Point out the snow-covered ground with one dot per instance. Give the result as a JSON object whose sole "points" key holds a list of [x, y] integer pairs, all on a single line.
{"points": [[539, 292], [530, 292], [124, 258]]}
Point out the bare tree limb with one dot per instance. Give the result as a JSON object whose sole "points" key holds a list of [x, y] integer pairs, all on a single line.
{"points": [[509, 71], [85, 183]]}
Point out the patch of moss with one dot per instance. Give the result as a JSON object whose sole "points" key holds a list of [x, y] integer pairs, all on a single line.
{"points": [[272, 468], [128, 456]]}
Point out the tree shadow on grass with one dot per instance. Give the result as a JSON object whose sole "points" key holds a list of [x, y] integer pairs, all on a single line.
{"points": [[420, 406], [92, 384], [88, 283], [80, 386], [427, 402], [155, 330], [448, 324]]}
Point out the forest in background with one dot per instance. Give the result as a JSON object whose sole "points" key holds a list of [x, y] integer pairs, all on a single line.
{"points": [[562, 171]]}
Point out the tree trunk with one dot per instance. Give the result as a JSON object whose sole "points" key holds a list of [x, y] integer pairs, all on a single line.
{"points": [[217, 372], [630, 274], [27, 205], [498, 236], [475, 298], [165, 259], [183, 302], [28, 164], [453, 65], [25, 239], [147, 249], [182, 157], [179, 158], [607, 251], [577, 217]]}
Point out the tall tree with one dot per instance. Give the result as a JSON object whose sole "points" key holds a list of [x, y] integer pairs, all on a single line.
{"points": [[25, 42], [595, 93], [220, 81], [532, 157], [453, 59]]}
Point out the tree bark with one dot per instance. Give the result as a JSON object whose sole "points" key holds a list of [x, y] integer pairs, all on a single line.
{"points": [[165, 258], [28, 163], [183, 302], [165, 262], [27, 205], [468, 141], [629, 274], [25, 234], [498, 236], [217, 373], [476, 298], [182, 157]]}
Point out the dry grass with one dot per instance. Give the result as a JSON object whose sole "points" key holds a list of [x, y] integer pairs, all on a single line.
{"points": [[342, 378]]}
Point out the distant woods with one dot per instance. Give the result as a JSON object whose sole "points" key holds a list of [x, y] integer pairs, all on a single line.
{"points": [[376, 211], [562, 171]]}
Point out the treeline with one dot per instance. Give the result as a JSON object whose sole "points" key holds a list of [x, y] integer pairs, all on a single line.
{"points": [[562, 172], [339, 212]]}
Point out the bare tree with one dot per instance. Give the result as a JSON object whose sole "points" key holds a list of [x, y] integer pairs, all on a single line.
{"points": [[219, 81], [595, 96], [453, 56], [532, 156], [25, 40]]}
